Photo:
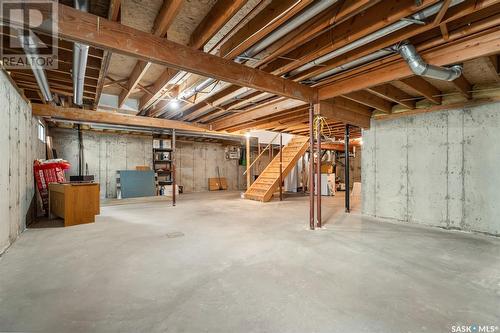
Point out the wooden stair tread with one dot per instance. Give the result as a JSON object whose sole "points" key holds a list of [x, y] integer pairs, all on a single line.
{"points": [[267, 183]]}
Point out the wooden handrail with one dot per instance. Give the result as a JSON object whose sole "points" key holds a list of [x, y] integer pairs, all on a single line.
{"points": [[262, 152]]}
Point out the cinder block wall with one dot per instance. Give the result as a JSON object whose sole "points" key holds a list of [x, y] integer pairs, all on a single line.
{"points": [[19, 147], [440, 169], [105, 153]]}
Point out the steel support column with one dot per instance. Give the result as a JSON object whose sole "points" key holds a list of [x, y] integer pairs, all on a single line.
{"points": [[174, 185], [346, 171], [281, 167], [318, 177], [311, 167]]}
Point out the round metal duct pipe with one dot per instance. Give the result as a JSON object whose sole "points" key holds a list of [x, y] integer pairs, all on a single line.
{"points": [[421, 68]]}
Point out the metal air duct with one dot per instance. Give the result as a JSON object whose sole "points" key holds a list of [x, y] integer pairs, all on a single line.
{"points": [[418, 17], [421, 68], [29, 47], [80, 55]]}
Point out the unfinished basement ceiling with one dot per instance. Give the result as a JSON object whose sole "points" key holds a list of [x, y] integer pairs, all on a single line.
{"points": [[311, 43]]}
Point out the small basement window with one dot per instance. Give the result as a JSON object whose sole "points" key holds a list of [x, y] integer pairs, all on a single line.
{"points": [[41, 131]]}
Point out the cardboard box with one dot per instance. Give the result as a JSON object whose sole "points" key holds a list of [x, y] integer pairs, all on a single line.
{"points": [[215, 185], [326, 168], [162, 144]]}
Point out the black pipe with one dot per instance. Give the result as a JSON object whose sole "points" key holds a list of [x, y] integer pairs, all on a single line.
{"points": [[346, 171], [80, 151]]}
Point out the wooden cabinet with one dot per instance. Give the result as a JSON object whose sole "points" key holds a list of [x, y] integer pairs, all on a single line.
{"points": [[75, 203]]}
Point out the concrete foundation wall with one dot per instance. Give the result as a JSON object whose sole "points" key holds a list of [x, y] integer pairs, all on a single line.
{"points": [[105, 153], [439, 169], [198, 161], [19, 146]]}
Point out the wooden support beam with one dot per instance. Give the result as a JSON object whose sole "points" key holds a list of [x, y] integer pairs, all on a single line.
{"points": [[215, 100], [139, 44], [158, 88], [337, 14], [442, 12], [234, 106], [163, 20], [166, 16], [334, 112], [444, 31], [350, 105], [87, 28], [137, 73], [394, 94], [274, 120], [345, 110], [424, 88], [486, 43], [370, 100], [455, 14], [111, 118], [463, 86], [275, 14], [376, 18], [113, 15], [328, 19], [436, 108], [492, 63], [218, 16], [264, 110]]}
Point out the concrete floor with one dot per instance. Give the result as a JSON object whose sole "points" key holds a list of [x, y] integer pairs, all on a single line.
{"points": [[217, 263]]}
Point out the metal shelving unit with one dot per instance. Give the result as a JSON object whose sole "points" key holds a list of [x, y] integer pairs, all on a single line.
{"points": [[163, 164]]}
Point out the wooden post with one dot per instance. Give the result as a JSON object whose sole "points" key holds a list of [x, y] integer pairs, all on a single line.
{"points": [[172, 158], [281, 166], [311, 167], [249, 179]]}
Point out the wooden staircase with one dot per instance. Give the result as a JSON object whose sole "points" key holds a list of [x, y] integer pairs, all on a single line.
{"points": [[264, 187]]}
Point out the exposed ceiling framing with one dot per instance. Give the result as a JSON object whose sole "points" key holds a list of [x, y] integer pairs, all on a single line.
{"points": [[272, 88]]}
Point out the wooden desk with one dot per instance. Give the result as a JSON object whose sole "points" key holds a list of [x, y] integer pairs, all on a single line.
{"points": [[76, 203]]}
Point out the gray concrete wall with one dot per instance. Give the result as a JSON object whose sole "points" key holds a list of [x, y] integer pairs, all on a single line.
{"points": [[198, 161], [439, 169], [19, 146], [105, 153]]}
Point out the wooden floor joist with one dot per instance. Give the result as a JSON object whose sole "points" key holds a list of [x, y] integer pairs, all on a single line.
{"points": [[83, 27], [457, 52]]}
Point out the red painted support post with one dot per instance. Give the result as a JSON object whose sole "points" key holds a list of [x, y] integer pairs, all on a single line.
{"points": [[172, 157], [311, 167], [281, 167], [318, 176]]}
